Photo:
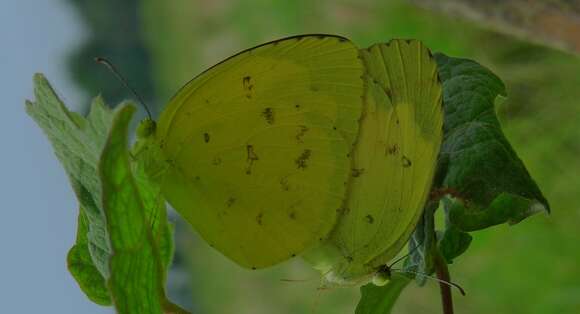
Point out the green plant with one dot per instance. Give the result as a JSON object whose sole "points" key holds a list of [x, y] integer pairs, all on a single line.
{"points": [[124, 241]]}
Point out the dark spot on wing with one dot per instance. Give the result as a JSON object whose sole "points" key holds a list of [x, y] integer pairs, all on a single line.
{"points": [[406, 162], [397, 121], [370, 219], [268, 115], [206, 137], [293, 255], [216, 161], [302, 129], [259, 218], [171, 162], [297, 106], [252, 157], [349, 259], [355, 173], [284, 184], [392, 149], [292, 215], [248, 85], [231, 200], [343, 210], [302, 159], [253, 268], [408, 41], [334, 128]]}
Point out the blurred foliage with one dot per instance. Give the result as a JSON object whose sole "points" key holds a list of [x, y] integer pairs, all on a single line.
{"points": [[516, 269], [114, 32], [124, 243]]}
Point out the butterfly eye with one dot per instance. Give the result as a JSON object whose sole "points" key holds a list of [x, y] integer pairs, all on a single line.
{"points": [[146, 128]]}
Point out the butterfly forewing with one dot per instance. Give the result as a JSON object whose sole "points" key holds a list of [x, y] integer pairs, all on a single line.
{"points": [[257, 147]]}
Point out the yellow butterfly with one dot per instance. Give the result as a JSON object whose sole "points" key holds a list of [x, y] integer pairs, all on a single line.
{"points": [[304, 144], [254, 152]]}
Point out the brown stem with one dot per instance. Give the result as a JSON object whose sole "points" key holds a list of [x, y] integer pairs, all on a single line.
{"points": [[443, 274], [554, 23]]}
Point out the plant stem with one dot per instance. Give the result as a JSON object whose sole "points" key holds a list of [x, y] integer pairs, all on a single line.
{"points": [[443, 274]]}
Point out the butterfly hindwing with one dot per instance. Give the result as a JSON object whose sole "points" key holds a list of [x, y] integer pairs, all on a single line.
{"points": [[393, 160]]}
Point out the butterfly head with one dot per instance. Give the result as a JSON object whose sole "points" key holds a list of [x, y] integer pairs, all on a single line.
{"points": [[146, 129], [382, 276]]}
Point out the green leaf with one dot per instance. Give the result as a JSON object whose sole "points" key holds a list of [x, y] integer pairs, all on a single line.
{"points": [[380, 300], [477, 166], [81, 266], [422, 245], [453, 243], [79, 144], [136, 280], [155, 210], [485, 181]]}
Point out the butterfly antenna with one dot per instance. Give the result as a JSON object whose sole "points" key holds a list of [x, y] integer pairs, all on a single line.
{"points": [[295, 280], [451, 284], [404, 256], [120, 77]]}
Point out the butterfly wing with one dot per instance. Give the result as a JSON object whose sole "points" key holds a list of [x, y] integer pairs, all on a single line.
{"points": [[394, 158], [257, 147]]}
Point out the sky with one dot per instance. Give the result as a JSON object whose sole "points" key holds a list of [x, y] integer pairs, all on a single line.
{"points": [[39, 209]]}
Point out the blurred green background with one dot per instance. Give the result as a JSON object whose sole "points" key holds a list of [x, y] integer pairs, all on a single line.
{"points": [[532, 267]]}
